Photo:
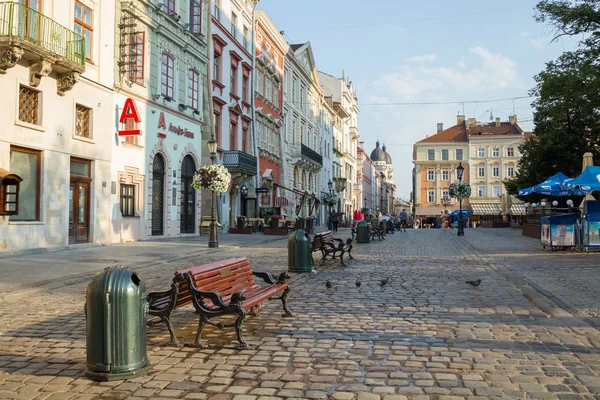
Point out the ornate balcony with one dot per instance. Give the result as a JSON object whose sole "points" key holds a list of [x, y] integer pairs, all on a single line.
{"points": [[311, 154], [236, 161], [48, 46]]}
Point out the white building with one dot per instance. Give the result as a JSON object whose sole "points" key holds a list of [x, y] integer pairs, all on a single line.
{"points": [[231, 75], [58, 121], [345, 103], [326, 129], [160, 69], [301, 102]]}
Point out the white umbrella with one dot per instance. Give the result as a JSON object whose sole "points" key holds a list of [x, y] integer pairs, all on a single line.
{"points": [[384, 218]]}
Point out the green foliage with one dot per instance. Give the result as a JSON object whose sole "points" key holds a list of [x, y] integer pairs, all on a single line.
{"points": [[567, 98]]}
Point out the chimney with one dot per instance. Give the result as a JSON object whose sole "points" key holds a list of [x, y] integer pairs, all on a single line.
{"points": [[471, 121], [497, 121], [460, 119], [440, 126], [512, 119]]}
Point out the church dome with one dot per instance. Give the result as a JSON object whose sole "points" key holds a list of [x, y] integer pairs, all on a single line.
{"points": [[377, 154], [388, 158]]}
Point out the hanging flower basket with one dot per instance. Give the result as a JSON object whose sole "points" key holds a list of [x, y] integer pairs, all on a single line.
{"points": [[460, 190], [329, 199], [214, 177]]}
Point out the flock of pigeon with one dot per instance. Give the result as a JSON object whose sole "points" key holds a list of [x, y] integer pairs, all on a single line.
{"points": [[385, 281]]}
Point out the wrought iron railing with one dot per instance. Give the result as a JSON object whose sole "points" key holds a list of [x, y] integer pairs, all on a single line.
{"points": [[20, 21], [238, 160], [313, 155]]}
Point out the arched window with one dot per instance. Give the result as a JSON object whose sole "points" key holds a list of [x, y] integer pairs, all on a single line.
{"points": [[193, 89], [295, 177], [303, 180], [167, 76]]}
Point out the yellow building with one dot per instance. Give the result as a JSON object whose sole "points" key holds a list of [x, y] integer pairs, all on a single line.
{"points": [[436, 158]]}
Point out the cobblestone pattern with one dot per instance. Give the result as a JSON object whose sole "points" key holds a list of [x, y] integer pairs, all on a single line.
{"points": [[423, 335]]}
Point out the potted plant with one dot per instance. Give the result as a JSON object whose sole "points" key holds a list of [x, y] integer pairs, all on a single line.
{"points": [[274, 221]]}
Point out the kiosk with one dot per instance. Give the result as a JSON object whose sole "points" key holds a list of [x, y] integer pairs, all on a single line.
{"points": [[590, 225], [559, 231]]}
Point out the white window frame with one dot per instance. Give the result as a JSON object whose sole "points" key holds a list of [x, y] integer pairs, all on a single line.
{"points": [[510, 152], [445, 175], [445, 153], [495, 171], [430, 175], [496, 152], [481, 152], [496, 190], [510, 171], [429, 153], [481, 191], [480, 172], [430, 196]]}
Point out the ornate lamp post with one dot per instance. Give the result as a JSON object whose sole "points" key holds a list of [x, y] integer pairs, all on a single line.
{"points": [[330, 186], [213, 238], [459, 175], [445, 201]]}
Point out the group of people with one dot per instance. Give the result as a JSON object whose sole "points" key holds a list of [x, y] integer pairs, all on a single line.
{"points": [[334, 220], [336, 217]]}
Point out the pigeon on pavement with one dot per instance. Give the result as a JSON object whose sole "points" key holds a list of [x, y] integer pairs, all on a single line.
{"points": [[357, 284], [328, 284], [384, 282], [474, 283]]}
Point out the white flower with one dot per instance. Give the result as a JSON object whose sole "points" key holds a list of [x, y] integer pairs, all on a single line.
{"points": [[214, 177]]}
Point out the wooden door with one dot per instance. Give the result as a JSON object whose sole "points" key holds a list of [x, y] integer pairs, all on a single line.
{"points": [[79, 212], [188, 196]]}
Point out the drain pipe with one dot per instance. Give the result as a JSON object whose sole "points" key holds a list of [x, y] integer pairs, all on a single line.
{"points": [[252, 105]]}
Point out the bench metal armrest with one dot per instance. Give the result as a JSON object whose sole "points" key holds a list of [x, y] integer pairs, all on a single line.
{"points": [[199, 295], [265, 276], [153, 297]]}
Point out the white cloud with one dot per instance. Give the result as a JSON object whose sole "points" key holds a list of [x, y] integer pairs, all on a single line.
{"points": [[425, 58], [538, 42], [524, 34], [480, 71], [394, 28]]}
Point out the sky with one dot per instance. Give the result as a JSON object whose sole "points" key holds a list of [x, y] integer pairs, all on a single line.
{"points": [[427, 51]]}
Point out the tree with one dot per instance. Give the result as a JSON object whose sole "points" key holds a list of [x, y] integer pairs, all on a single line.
{"points": [[567, 98]]}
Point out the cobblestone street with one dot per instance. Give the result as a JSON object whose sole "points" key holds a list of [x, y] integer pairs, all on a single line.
{"points": [[526, 332]]}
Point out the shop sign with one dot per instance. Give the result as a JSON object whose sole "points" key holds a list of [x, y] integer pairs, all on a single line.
{"points": [[129, 113], [173, 128]]}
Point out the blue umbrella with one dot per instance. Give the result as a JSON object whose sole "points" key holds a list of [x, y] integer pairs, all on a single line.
{"points": [[553, 186], [587, 182]]}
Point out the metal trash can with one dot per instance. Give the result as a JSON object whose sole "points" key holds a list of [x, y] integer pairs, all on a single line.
{"points": [[299, 254], [115, 313], [363, 232]]}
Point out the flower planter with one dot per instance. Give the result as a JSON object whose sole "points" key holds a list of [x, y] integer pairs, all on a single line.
{"points": [[274, 224], [240, 224]]}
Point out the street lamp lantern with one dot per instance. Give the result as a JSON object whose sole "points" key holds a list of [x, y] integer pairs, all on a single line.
{"points": [[244, 190], [445, 201], [460, 170], [213, 238], [330, 185]]}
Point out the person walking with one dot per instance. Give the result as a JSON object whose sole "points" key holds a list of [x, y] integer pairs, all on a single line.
{"points": [[403, 220], [335, 222]]}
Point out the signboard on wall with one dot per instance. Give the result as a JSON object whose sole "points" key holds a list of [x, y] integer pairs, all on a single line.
{"points": [[130, 118]]}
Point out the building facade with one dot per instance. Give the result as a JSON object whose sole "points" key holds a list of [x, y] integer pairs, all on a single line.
{"points": [[302, 99], [269, 99], [326, 129], [493, 154], [160, 73], [58, 121], [382, 161], [231, 79], [436, 159], [345, 102]]}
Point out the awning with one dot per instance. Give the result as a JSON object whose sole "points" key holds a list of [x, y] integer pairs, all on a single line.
{"points": [[268, 175], [485, 208], [517, 209], [4, 174], [429, 211]]}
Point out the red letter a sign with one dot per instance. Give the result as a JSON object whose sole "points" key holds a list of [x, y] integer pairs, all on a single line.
{"points": [[130, 117]]}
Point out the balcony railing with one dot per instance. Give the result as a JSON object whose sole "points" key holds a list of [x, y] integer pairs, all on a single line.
{"points": [[18, 21], [313, 155], [237, 160]]}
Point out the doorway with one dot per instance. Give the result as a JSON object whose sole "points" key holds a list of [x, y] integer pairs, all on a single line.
{"points": [[79, 201], [188, 196], [158, 187]]}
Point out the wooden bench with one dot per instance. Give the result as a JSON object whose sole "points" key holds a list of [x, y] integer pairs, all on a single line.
{"points": [[328, 245], [376, 230], [217, 289], [205, 225]]}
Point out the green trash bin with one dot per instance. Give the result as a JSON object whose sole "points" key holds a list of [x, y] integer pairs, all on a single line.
{"points": [[115, 311], [299, 254], [363, 232]]}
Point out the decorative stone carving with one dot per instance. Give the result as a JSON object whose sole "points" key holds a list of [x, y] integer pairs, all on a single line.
{"points": [[9, 58], [66, 82], [37, 70]]}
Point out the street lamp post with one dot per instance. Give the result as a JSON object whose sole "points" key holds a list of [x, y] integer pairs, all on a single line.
{"points": [[213, 238], [459, 175], [445, 201]]}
